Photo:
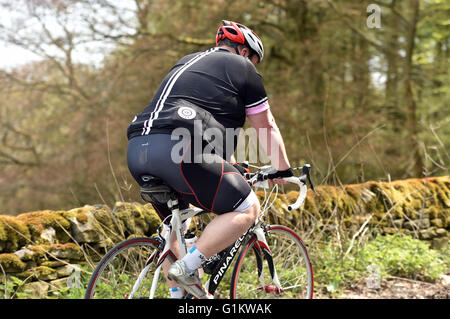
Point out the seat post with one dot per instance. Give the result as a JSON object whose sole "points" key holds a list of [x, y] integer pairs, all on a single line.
{"points": [[177, 225]]}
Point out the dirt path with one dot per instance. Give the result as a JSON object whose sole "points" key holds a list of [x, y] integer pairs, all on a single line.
{"points": [[401, 288]]}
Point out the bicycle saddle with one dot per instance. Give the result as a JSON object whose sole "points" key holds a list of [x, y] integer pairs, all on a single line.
{"points": [[154, 190]]}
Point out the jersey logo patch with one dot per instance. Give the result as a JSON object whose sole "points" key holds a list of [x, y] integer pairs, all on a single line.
{"points": [[186, 113]]}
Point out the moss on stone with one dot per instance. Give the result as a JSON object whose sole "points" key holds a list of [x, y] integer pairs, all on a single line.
{"points": [[151, 218], [40, 273], [398, 200], [3, 233], [11, 263], [65, 251], [136, 218], [13, 231], [82, 217], [40, 220]]}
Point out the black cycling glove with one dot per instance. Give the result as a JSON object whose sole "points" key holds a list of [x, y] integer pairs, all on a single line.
{"points": [[280, 174]]}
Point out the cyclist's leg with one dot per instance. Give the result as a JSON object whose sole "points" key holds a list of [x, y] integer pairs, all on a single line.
{"points": [[218, 186], [225, 229]]}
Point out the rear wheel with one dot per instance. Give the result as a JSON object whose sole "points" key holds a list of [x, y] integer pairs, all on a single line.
{"points": [[252, 274], [128, 270]]}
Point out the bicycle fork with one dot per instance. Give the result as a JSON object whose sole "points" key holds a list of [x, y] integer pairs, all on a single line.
{"points": [[261, 246]]}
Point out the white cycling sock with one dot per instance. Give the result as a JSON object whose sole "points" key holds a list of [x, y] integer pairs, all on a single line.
{"points": [[176, 292], [194, 258]]}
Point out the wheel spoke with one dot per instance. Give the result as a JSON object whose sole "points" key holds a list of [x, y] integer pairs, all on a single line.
{"points": [[118, 272]]}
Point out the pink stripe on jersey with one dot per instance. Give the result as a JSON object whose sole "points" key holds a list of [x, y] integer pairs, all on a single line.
{"points": [[257, 109]]}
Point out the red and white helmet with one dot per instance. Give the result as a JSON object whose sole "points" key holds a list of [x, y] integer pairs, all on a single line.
{"points": [[241, 34]]}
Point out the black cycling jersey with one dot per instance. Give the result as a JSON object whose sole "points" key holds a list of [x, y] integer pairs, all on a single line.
{"points": [[215, 86]]}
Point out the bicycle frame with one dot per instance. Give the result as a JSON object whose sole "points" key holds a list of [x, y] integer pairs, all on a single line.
{"points": [[179, 216]]}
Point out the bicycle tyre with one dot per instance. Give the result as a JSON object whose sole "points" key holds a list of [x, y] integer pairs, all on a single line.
{"points": [[290, 259], [119, 269]]}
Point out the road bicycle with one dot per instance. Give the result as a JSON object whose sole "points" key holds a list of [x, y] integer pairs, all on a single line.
{"points": [[272, 261]]}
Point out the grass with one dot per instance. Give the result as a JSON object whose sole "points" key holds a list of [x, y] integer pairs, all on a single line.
{"points": [[383, 256], [334, 268]]}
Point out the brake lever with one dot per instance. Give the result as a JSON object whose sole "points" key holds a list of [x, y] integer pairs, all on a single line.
{"points": [[306, 170]]}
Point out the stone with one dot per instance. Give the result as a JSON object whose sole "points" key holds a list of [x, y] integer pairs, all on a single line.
{"points": [[424, 223], [85, 232], [66, 251], [445, 280], [58, 284], [411, 225], [441, 232], [390, 230], [10, 263], [44, 273], [54, 263], [37, 289], [38, 221], [66, 270], [437, 222], [397, 223], [426, 233], [49, 235], [439, 243], [25, 254]]}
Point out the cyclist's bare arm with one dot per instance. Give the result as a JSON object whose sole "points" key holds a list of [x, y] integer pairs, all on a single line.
{"points": [[270, 138]]}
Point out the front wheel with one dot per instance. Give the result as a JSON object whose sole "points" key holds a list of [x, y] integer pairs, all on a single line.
{"points": [[281, 270], [128, 271]]}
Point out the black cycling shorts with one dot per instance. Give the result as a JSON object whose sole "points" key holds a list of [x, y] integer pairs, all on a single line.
{"points": [[204, 180]]}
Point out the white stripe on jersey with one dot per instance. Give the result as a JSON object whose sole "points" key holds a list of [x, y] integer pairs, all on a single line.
{"points": [[258, 102], [168, 87]]}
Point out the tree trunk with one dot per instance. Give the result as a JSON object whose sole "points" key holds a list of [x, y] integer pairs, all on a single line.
{"points": [[361, 72], [391, 98], [410, 102]]}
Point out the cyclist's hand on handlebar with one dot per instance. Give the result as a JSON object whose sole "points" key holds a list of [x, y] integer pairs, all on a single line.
{"points": [[277, 177]]}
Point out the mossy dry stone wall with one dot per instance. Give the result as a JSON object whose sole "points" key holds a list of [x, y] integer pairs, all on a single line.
{"points": [[417, 207], [45, 248]]}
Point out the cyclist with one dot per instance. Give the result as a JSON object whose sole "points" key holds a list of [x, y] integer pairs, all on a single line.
{"points": [[218, 88]]}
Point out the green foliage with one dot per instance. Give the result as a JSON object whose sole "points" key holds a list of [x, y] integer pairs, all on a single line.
{"points": [[10, 288], [404, 256], [66, 292], [394, 255]]}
